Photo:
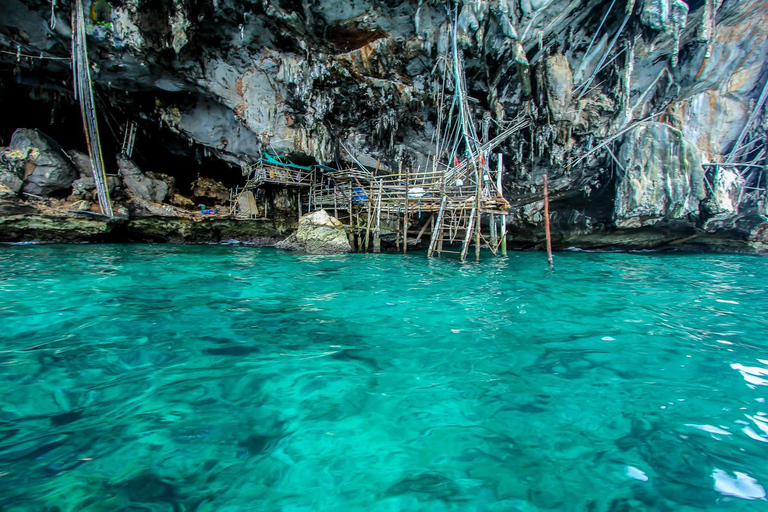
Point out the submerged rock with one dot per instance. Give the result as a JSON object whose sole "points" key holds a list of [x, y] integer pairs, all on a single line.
{"points": [[47, 170], [318, 233]]}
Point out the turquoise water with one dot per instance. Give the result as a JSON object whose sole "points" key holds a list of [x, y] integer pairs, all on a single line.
{"points": [[203, 378]]}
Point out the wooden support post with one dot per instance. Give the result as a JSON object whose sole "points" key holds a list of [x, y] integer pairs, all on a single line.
{"points": [[335, 205], [377, 233], [499, 186], [503, 235], [437, 230], [368, 220], [405, 215], [425, 226], [468, 236], [298, 194], [494, 231], [546, 223], [350, 204], [478, 185]]}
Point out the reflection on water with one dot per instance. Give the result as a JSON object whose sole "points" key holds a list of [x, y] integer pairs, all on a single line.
{"points": [[171, 378]]}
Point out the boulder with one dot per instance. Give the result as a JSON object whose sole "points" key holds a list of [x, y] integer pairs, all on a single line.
{"points": [[318, 233], [207, 190], [12, 163], [10, 181], [82, 163], [662, 177], [182, 202], [146, 186], [85, 187], [48, 171]]}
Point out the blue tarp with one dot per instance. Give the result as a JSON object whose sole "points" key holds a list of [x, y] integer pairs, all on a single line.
{"points": [[359, 195]]}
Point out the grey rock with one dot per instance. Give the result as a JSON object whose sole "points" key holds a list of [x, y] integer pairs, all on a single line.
{"points": [[662, 177], [146, 186], [83, 188], [82, 162], [318, 233], [51, 172], [12, 182]]}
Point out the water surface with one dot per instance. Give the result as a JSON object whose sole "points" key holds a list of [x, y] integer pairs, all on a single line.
{"points": [[201, 378]]}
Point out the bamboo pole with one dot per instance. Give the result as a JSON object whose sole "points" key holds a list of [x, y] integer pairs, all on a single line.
{"points": [[368, 220], [438, 228], [503, 217], [468, 235], [424, 227], [405, 216], [478, 186], [494, 230], [350, 204], [377, 233], [546, 224]]}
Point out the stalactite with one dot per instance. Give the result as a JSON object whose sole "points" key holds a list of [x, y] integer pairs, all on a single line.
{"points": [[629, 66], [53, 15]]}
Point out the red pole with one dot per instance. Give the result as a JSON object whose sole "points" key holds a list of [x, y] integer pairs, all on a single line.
{"points": [[546, 224]]}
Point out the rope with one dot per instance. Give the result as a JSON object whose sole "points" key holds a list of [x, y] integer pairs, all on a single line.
{"points": [[20, 55], [83, 87]]}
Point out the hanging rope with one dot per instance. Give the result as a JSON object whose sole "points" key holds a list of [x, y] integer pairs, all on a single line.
{"points": [[81, 76]]}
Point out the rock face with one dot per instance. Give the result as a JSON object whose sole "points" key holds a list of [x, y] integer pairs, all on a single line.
{"points": [[330, 79], [318, 233], [147, 186], [662, 177], [47, 170], [559, 82]]}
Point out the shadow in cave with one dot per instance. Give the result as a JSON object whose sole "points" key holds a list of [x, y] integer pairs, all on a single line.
{"points": [[57, 114]]}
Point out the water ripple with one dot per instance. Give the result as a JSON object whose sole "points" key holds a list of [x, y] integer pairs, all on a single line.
{"points": [[232, 378]]}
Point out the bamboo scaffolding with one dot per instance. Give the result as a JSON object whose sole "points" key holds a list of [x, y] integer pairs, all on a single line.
{"points": [[454, 193]]}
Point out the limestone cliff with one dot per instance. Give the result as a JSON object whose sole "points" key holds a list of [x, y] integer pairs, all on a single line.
{"points": [[630, 102]]}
